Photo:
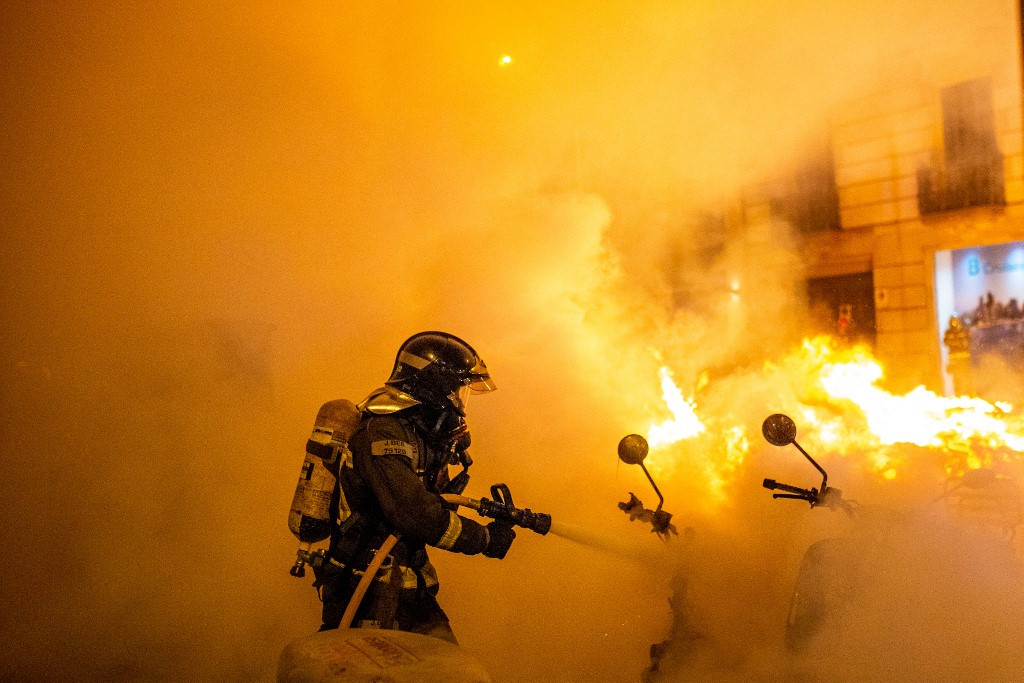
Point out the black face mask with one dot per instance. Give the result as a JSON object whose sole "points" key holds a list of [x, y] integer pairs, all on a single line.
{"points": [[442, 429]]}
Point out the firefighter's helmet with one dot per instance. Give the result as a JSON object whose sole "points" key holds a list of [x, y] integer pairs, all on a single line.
{"points": [[435, 368]]}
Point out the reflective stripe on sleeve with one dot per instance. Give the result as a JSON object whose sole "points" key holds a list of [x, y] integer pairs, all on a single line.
{"points": [[429, 574], [452, 534]]}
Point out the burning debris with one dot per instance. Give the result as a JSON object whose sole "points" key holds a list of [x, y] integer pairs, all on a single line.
{"points": [[967, 446], [836, 394], [910, 554]]}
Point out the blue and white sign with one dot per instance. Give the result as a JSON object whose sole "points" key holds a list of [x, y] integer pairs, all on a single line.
{"points": [[981, 273]]}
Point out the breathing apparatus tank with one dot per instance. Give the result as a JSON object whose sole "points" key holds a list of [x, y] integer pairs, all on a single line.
{"points": [[309, 517]]}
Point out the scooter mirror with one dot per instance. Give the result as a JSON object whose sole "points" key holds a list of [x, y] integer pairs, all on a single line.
{"points": [[778, 429], [633, 449]]}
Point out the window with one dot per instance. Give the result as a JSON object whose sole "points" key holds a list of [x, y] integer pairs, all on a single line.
{"points": [[973, 165], [808, 197]]}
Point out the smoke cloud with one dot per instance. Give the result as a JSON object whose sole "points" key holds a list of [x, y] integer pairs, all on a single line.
{"points": [[216, 219]]}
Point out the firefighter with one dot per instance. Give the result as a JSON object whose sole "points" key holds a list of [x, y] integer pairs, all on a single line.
{"points": [[958, 341], [390, 482]]}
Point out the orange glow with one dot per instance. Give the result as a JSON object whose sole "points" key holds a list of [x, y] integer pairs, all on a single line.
{"points": [[841, 411], [219, 216], [920, 417]]}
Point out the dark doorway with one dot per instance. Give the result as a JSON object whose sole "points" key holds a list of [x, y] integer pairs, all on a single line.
{"points": [[843, 306]]}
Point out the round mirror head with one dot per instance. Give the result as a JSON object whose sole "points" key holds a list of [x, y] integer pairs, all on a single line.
{"points": [[779, 429], [633, 449]]}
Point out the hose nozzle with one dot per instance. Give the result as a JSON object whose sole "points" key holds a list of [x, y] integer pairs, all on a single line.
{"points": [[502, 509]]}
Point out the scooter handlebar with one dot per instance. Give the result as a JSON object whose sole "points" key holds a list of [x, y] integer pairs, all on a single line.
{"points": [[771, 484]]}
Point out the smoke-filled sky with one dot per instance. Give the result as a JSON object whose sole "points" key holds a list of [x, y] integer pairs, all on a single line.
{"points": [[217, 218]]}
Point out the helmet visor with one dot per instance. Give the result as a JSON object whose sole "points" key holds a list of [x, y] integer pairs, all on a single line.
{"points": [[482, 384], [459, 398], [480, 381]]}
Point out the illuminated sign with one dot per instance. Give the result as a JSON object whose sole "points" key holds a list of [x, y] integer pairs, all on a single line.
{"points": [[993, 272], [975, 266]]}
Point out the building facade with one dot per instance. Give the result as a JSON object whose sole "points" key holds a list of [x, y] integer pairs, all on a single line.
{"points": [[919, 176]]}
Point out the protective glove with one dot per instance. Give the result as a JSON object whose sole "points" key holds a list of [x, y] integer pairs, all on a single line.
{"points": [[500, 536]]}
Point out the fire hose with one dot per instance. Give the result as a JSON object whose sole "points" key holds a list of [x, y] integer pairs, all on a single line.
{"points": [[364, 582], [500, 508]]}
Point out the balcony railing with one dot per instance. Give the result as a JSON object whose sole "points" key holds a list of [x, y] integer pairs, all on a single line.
{"points": [[978, 182]]}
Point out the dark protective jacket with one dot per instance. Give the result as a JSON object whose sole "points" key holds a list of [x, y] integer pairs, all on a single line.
{"points": [[389, 481], [393, 477]]}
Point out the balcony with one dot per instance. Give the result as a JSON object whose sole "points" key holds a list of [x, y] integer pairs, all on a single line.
{"points": [[960, 185]]}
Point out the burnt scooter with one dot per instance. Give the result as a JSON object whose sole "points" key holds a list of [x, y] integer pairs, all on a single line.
{"points": [[863, 571], [828, 568]]}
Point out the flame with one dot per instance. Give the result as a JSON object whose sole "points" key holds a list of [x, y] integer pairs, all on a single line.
{"points": [[684, 422], [841, 411], [960, 426], [920, 417]]}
